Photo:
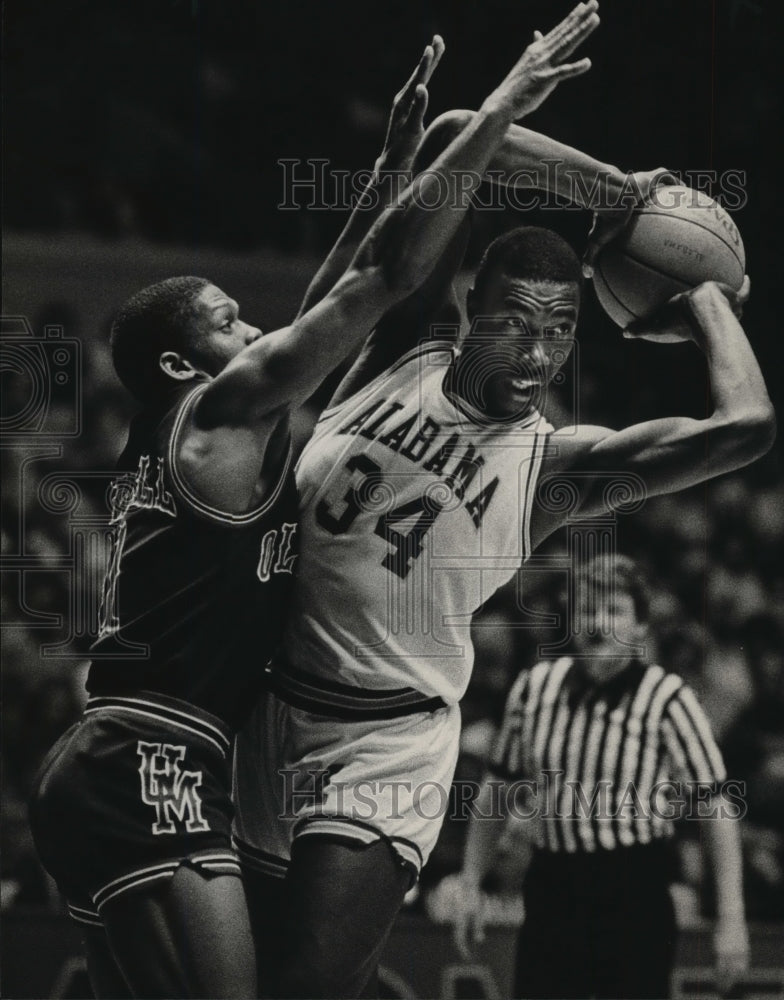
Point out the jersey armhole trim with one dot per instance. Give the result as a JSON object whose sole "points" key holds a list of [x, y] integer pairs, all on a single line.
{"points": [[537, 454], [419, 351], [189, 497]]}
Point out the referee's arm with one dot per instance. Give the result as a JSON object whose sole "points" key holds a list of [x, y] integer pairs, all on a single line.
{"points": [[693, 749], [485, 827], [488, 817], [721, 836]]}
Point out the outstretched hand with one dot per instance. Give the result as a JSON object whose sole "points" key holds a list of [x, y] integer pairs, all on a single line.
{"points": [[406, 120], [610, 221], [541, 67], [672, 323]]}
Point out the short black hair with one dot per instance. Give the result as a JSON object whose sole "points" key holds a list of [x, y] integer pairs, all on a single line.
{"points": [[529, 252], [152, 321], [628, 578]]}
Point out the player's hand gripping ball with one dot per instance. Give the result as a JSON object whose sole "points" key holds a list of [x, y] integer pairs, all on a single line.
{"points": [[677, 240]]}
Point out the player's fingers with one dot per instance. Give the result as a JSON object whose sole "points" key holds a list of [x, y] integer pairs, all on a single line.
{"points": [[572, 20], [641, 327], [734, 297], [572, 31], [555, 35], [596, 240], [417, 116], [670, 323], [438, 50], [421, 71], [648, 183], [570, 69], [604, 229], [589, 259], [538, 36], [659, 335], [576, 37], [662, 177]]}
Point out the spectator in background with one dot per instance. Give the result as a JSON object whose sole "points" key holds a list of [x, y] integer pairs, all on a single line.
{"points": [[603, 735], [755, 749]]}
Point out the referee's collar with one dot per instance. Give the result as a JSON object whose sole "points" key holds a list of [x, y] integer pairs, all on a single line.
{"points": [[579, 687]]}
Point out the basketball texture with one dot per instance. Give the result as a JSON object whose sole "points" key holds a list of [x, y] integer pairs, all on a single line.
{"points": [[682, 238]]}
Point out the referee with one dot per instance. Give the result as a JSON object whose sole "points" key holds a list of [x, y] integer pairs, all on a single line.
{"points": [[602, 751]]}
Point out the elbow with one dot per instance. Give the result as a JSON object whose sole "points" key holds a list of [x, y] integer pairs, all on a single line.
{"points": [[451, 123], [751, 435], [283, 361], [761, 431], [767, 430], [440, 134]]}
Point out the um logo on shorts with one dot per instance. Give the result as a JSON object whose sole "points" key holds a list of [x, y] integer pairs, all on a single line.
{"points": [[169, 789]]}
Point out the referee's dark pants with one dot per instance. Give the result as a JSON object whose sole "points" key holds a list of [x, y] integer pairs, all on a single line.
{"points": [[597, 925]]}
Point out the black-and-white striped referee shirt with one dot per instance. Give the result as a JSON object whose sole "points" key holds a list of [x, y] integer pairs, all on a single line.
{"points": [[607, 765]]}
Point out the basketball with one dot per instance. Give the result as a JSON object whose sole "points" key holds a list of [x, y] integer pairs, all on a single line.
{"points": [[682, 238]]}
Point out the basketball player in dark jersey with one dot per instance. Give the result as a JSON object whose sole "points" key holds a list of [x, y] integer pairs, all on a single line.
{"points": [[131, 813]]}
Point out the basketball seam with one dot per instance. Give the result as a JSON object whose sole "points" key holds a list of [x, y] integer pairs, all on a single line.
{"points": [[693, 222], [610, 290], [650, 267]]}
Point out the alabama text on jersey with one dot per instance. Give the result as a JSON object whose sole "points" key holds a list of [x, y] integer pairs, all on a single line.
{"points": [[412, 513]]}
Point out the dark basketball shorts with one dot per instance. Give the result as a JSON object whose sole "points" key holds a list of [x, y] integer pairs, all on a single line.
{"points": [[140, 785]]}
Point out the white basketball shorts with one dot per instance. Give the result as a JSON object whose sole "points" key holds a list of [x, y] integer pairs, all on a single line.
{"points": [[299, 774]]}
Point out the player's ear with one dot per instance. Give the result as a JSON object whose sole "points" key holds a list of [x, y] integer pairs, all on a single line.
{"points": [[176, 366]]}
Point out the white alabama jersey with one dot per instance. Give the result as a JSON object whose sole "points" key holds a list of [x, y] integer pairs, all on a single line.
{"points": [[412, 513]]}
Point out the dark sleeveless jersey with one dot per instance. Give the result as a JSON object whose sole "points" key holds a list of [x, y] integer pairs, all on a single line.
{"points": [[195, 598]]}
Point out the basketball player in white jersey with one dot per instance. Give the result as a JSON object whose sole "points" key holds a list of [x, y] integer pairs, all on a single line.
{"points": [[418, 500]]}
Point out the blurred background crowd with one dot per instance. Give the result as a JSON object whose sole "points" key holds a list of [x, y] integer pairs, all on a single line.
{"points": [[143, 139]]}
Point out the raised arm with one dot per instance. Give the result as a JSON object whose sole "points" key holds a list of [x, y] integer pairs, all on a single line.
{"points": [[674, 453], [235, 417], [391, 174], [285, 367], [401, 248], [524, 161], [528, 160]]}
